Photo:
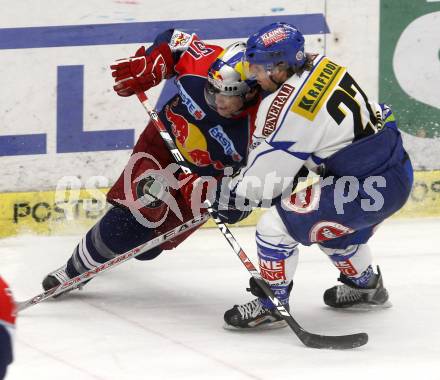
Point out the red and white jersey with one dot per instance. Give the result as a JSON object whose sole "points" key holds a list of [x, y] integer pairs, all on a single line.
{"points": [[208, 141], [7, 324], [7, 306]]}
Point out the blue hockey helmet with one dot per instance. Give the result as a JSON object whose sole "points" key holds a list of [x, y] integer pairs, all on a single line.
{"points": [[275, 43]]}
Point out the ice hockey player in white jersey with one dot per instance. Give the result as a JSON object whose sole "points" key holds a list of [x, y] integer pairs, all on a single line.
{"points": [[318, 118]]}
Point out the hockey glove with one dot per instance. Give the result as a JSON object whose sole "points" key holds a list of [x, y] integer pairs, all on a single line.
{"points": [[195, 189], [228, 212], [141, 72], [7, 323]]}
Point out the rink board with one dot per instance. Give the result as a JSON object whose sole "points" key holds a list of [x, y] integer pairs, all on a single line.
{"points": [[48, 212], [77, 126]]}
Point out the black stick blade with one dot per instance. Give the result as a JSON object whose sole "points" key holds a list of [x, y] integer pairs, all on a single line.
{"points": [[341, 342]]}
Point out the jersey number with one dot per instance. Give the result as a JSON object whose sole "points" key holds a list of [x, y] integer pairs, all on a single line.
{"points": [[345, 94], [198, 49]]}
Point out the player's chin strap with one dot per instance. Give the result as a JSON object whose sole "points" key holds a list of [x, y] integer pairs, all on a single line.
{"points": [[307, 338]]}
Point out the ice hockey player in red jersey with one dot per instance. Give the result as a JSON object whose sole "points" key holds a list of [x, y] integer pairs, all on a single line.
{"points": [[7, 325], [211, 120]]}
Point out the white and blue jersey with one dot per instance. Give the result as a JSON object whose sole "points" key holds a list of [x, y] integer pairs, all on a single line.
{"points": [[323, 120]]}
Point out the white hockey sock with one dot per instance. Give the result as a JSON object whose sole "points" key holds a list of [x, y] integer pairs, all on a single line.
{"points": [[354, 262], [277, 254]]}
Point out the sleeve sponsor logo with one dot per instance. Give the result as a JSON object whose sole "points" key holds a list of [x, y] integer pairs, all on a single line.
{"points": [[193, 108], [273, 37], [317, 89], [223, 139], [275, 108], [326, 230]]}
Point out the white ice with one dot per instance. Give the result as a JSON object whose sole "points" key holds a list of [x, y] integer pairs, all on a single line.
{"points": [[163, 319]]}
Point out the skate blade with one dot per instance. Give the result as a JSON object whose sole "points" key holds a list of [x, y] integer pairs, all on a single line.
{"points": [[263, 326], [362, 307]]}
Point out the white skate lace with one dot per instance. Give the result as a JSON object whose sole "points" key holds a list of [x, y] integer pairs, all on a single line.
{"points": [[344, 293], [251, 309]]}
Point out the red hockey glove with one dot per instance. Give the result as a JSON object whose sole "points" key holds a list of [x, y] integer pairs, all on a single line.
{"points": [[141, 72], [195, 189], [7, 323], [7, 304]]}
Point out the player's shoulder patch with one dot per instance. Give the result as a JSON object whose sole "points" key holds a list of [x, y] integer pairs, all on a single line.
{"points": [[275, 108], [180, 41], [317, 88]]}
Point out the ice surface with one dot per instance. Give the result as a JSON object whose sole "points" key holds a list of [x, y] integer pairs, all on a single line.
{"points": [[163, 319]]}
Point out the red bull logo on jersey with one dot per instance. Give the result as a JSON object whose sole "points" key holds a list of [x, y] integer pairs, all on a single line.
{"points": [[190, 141], [179, 125], [202, 157]]}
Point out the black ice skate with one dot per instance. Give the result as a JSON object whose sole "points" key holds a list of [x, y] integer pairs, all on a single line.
{"points": [[351, 296], [57, 277], [254, 315]]}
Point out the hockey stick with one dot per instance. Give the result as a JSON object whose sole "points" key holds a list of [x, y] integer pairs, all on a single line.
{"points": [[75, 281], [307, 338]]}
